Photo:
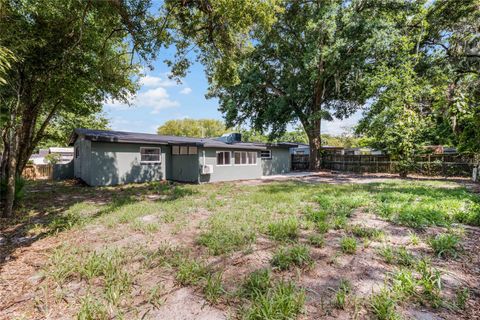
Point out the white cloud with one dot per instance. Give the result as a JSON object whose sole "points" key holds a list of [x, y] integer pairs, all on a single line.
{"points": [[156, 99], [186, 90], [153, 81]]}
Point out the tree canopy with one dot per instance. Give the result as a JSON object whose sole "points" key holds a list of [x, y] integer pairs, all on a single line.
{"points": [[313, 64], [61, 59], [198, 128]]}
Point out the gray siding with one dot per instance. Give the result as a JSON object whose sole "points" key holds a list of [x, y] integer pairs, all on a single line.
{"points": [[228, 173], [185, 168], [280, 162], [63, 171], [119, 163], [83, 161]]}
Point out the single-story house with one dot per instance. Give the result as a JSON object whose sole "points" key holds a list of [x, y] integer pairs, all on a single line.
{"points": [[65, 155], [104, 158]]}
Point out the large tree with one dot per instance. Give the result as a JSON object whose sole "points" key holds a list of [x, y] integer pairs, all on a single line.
{"points": [[429, 91], [200, 128], [68, 56], [312, 65]]}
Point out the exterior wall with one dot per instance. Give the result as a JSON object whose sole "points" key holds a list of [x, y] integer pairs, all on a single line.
{"points": [[83, 161], [119, 163], [185, 168], [229, 172], [280, 162], [63, 171]]}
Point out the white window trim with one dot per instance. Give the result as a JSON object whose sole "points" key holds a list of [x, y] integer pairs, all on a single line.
{"points": [[266, 158], [245, 164], [159, 155], [223, 165]]}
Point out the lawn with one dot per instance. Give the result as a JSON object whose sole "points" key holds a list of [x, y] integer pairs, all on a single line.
{"points": [[274, 250]]}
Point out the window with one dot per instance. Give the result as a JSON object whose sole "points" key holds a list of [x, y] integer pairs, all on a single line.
{"points": [[175, 150], [245, 158], [149, 154], [192, 150], [77, 152], [266, 154], [183, 150], [223, 158]]}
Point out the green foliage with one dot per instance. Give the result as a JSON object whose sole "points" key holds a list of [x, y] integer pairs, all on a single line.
{"points": [[316, 240], [445, 245], [213, 288], [92, 309], [383, 305], [286, 257], [430, 282], [283, 301], [222, 240], [348, 245], [257, 283], [342, 293], [284, 230], [400, 256], [19, 189], [200, 128], [366, 232], [190, 272]]}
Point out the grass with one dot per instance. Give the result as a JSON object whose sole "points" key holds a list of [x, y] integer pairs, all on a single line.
{"points": [[284, 230], [342, 293], [445, 245], [233, 217], [348, 245], [400, 256], [287, 257]]}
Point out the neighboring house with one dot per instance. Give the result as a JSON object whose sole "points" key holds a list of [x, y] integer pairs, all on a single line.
{"points": [[113, 157], [65, 155], [304, 149], [362, 151]]}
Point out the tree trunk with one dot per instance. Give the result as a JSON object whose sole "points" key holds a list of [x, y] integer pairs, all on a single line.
{"points": [[315, 143], [11, 167]]}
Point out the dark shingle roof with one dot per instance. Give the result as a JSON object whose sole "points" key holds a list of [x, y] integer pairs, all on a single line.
{"points": [[134, 137]]}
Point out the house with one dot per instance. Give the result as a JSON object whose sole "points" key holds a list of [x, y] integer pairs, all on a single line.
{"points": [[113, 157], [65, 155], [362, 151], [304, 149]]}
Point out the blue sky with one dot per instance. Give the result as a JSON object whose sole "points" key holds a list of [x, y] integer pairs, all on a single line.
{"points": [[161, 99]]}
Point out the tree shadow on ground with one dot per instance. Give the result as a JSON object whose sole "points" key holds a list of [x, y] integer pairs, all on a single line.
{"points": [[45, 209]]}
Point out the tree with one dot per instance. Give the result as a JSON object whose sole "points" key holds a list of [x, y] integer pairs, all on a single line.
{"points": [[428, 91], [312, 65], [200, 128], [70, 55]]}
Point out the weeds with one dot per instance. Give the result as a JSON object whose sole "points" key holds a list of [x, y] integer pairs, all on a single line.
{"points": [[342, 293], [445, 245], [297, 255], [430, 282], [316, 240], [221, 240], [213, 288], [400, 256], [348, 245], [383, 305], [366, 232], [257, 283], [91, 308], [190, 272], [284, 230]]}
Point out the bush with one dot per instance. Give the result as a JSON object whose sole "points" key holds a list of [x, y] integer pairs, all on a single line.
{"points": [[285, 258], [19, 189]]}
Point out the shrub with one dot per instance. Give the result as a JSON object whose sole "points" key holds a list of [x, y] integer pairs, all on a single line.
{"points": [[284, 230], [284, 301], [19, 189], [445, 245], [285, 258], [348, 245]]}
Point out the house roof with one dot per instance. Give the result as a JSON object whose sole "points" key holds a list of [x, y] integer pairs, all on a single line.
{"points": [[135, 137]]}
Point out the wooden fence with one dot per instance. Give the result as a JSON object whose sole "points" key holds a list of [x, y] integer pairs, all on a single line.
{"points": [[38, 172], [431, 165], [300, 162]]}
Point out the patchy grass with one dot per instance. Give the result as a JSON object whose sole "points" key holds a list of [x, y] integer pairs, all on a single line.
{"points": [[445, 245], [287, 257], [348, 245], [121, 243]]}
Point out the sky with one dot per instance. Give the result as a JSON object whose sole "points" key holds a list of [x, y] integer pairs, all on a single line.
{"points": [[160, 99]]}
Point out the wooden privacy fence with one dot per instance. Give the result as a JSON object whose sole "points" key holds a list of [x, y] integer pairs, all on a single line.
{"points": [[38, 172], [431, 165], [300, 162]]}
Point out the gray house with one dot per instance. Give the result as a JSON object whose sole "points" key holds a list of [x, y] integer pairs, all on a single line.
{"points": [[113, 157]]}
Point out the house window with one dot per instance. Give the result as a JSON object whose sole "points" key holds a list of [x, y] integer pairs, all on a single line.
{"points": [[245, 158], [175, 150], [149, 155], [266, 154], [192, 150], [223, 158]]}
